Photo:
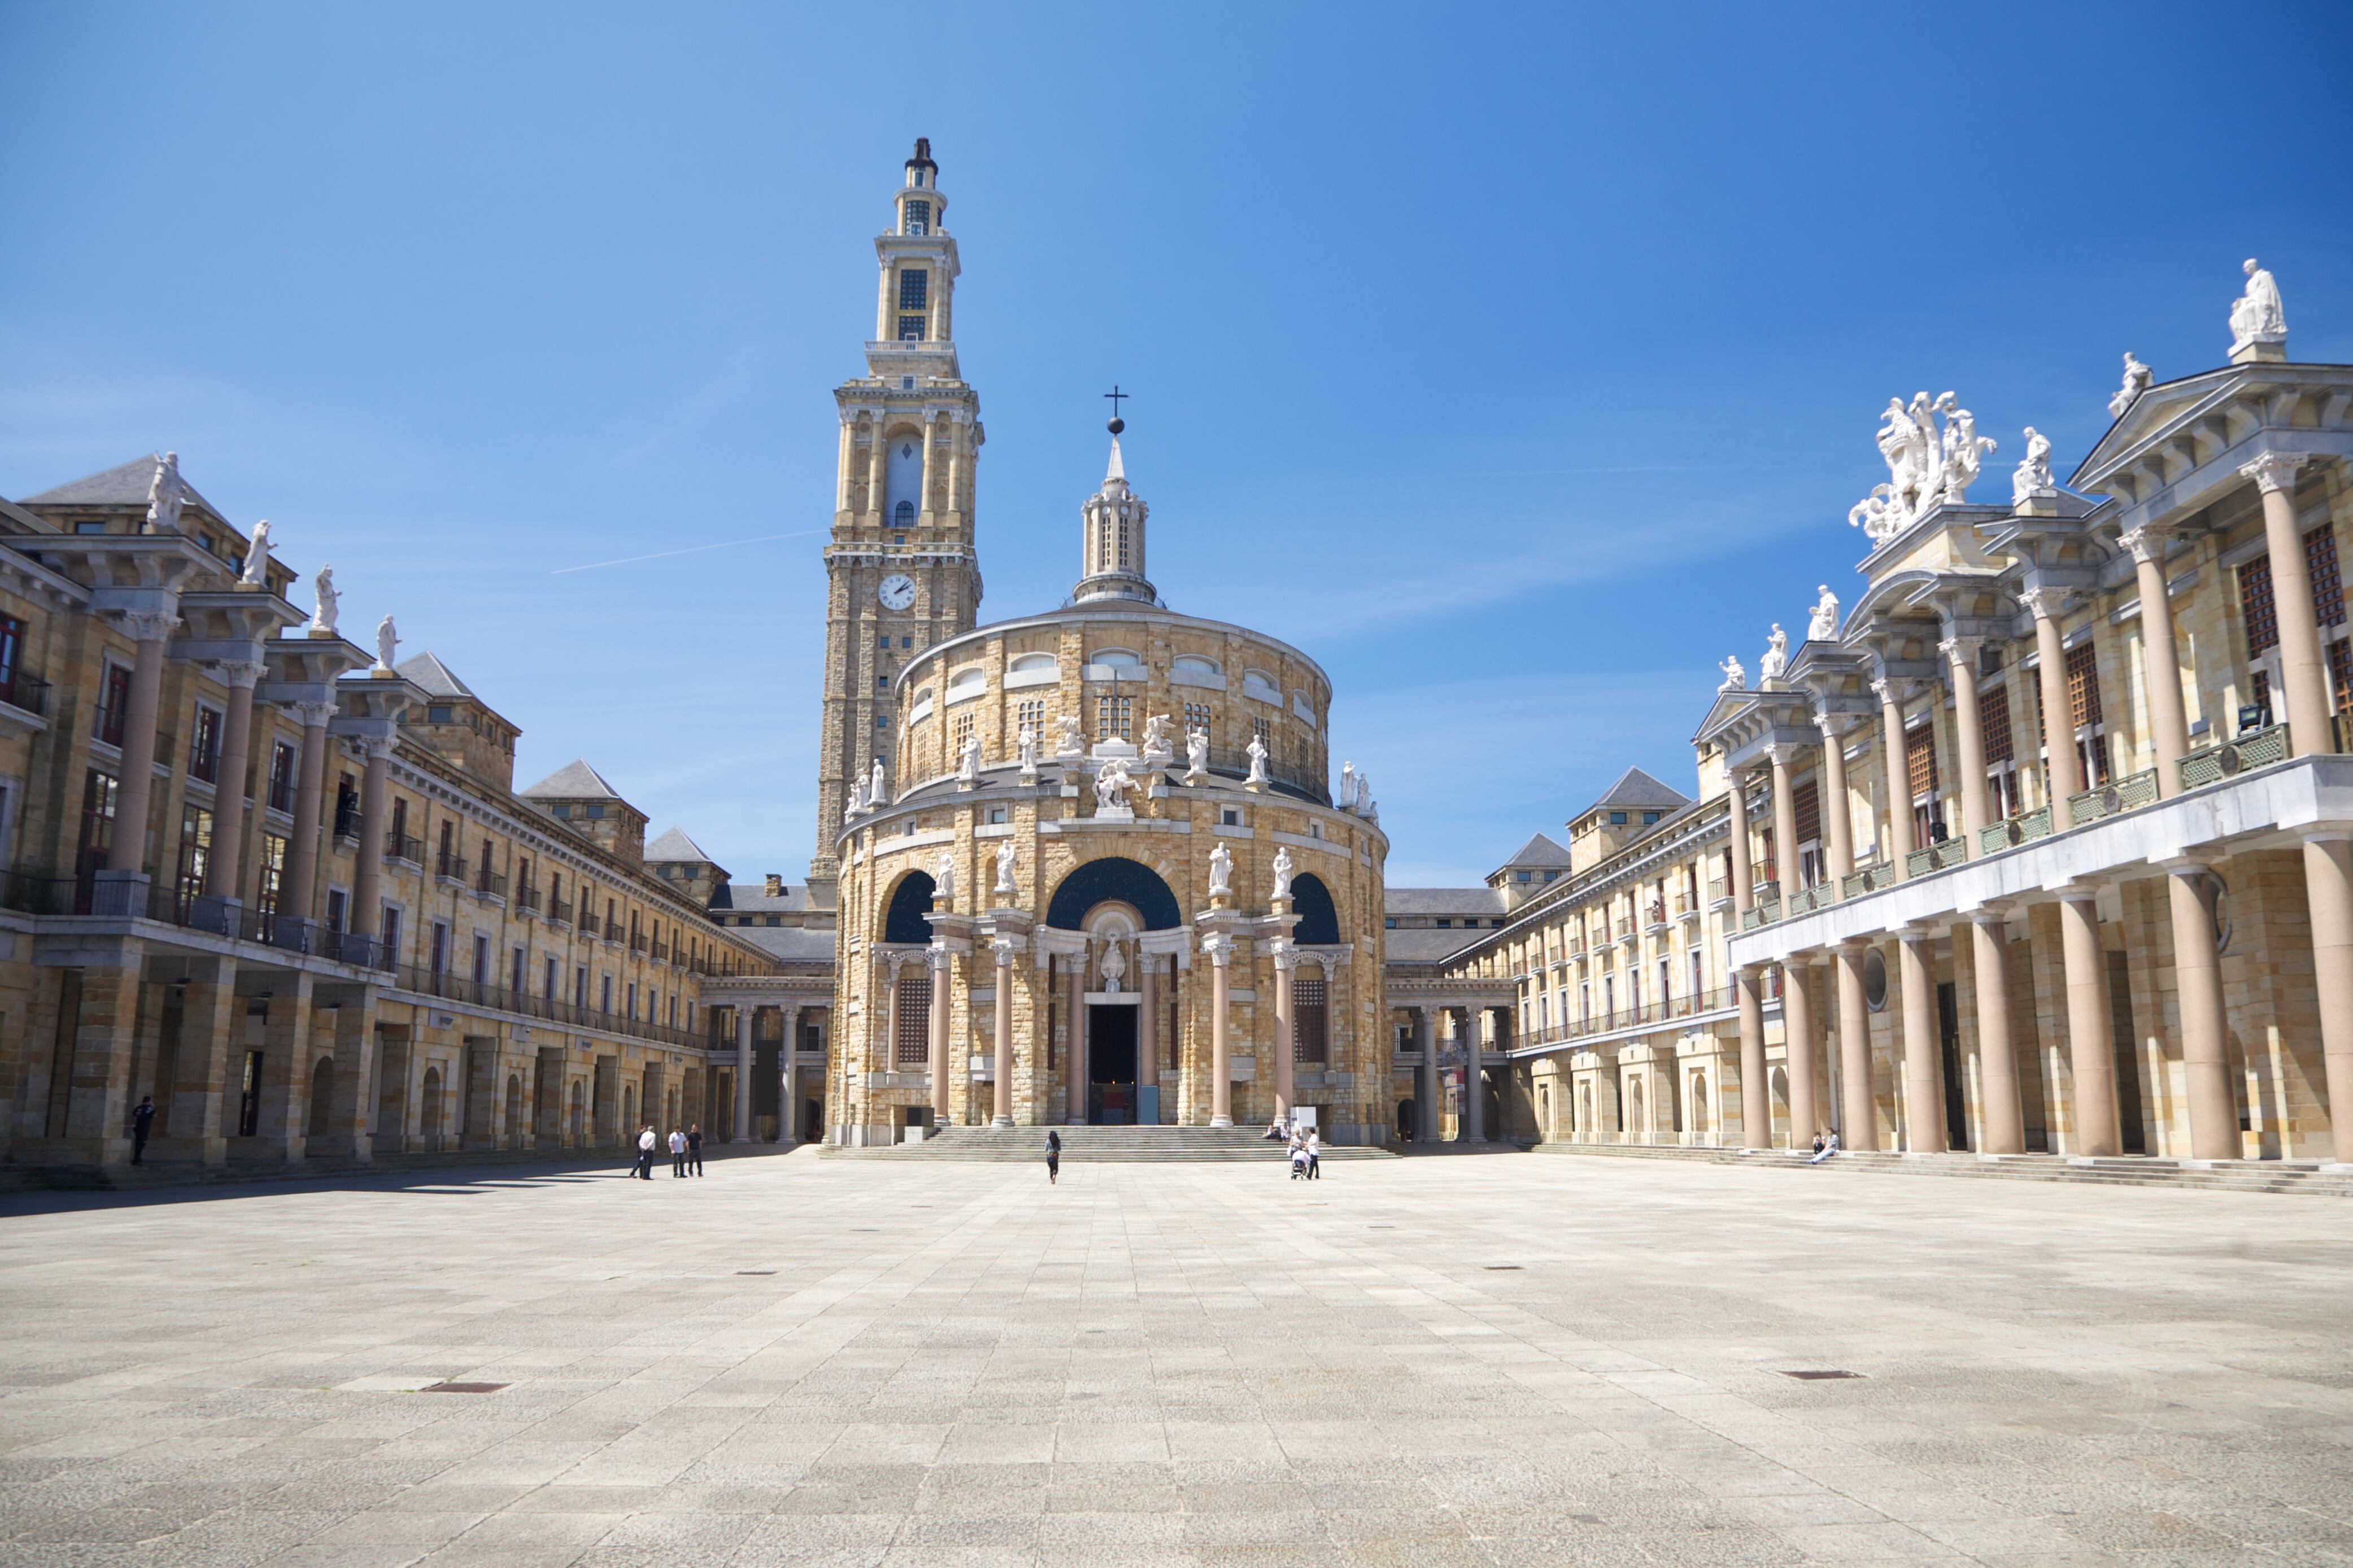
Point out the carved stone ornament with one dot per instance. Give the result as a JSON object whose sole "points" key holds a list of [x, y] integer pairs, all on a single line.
{"points": [[1962, 652], [1005, 860], [2032, 478], [1283, 873], [1029, 745], [968, 764], [1776, 662], [328, 602], [1112, 783], [1257, 763], [944, 876], [166, 494], [1221, 872], [1072, 743], [1196, 756], [1928, 466], [2257, 315], [2042, 603], [874, 795], [2138, 377], [1156, 736], [2146, 544]]}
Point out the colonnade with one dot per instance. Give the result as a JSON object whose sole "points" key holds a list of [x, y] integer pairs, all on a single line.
{"points": [[1466, 1025], [2327, 859]]}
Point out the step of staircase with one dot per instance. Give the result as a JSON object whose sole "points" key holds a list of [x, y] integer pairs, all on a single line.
{"points": [[1201, 1145], [2120, 1171]]}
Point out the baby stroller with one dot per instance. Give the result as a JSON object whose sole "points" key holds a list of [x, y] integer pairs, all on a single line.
{"points": [[1298, 1159]]}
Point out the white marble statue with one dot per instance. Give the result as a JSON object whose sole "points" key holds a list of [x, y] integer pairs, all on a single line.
{"points": [[387, 640], [1364, 795], [166, 493], [2136, 379], [1823, 624], [1964, 450], [850, 809], [1776, 662], [328, 604], [1221, 871], [1005, 857], [2033, 475], [968, 765], [257, 558], [1196, 755], [1073, 744], [1347, 800], [1155, 735], [1927, 466], [1029, 745], [2257, 316], [1736, 674], [1257, 763], [1283, 873], [1114, 966], [1112, 782], [874, 795], [943, 877]]}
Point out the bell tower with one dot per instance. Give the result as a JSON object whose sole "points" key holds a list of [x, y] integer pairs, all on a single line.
{"points": [[901, 569]]}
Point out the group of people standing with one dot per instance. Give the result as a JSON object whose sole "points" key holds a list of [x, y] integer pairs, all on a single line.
{"points": [[1306, 1148], [685, 1150]]}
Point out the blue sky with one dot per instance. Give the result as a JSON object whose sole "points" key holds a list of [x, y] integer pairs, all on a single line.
{"points": [[1516, 363]]}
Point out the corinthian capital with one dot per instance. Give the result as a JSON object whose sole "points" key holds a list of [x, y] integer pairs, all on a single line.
{"points": [[1004, 947], [2146, 543], [377, 748], [144, 625], [2273, 470], [2043, 604], [1891, 688], [1960, 651], [311, 715], [240, 673]]}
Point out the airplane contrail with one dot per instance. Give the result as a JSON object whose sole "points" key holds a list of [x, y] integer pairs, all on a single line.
{"points": [[690, 550]]}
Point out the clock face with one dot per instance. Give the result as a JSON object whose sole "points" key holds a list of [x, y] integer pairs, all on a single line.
{"points": [[897, 592]]}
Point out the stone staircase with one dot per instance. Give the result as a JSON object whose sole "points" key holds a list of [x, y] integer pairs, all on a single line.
{"points": [[1081, 1145], [2122, 1171]]}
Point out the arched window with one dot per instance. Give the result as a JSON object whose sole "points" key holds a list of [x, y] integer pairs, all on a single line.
{"points": [[1319, 922], [1121, 657], [904, 515], [909, 903], [1113, 878], [1032, 661], [1258, 684], [968, 682]]}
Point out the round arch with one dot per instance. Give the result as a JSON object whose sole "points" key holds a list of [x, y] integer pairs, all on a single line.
{"points": [[1118, 880], [1319, 922], [911, 900]]}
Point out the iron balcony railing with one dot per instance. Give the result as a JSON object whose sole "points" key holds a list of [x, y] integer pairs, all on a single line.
{"points": [[1721, 999], [560, 910], [449, 868], [490, 884], [527, 897], [448, 986], [25, 692], [401, 847]]}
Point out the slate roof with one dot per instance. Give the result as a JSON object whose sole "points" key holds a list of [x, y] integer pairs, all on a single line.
{"points": [[125, 485], [794, 944], [1539, 851], [1428, 946], [576, 779], [1636, 788], [437, 678], [675, 846], [1441, 902], [754, 898]]}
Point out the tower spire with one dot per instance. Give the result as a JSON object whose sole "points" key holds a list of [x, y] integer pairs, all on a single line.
{"points": [[1111, 531]]}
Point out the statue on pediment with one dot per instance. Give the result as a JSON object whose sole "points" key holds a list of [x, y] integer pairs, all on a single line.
{"points": [[2032, 477], [2138, 377], [2257, 315]]}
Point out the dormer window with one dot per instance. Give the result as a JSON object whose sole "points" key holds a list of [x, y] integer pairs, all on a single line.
{"points": [[437, 716]]}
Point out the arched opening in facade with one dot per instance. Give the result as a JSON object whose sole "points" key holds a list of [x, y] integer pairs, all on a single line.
{"points": [[903, 477], [429, 1110], [1319, 921], [1780, 1088], [1635, 1125], [323, 1099], [1109, 1029], [1699, 1119], [1113, 880], [911, 900], [580, 1114], [514, 1110], [630, 1125]]}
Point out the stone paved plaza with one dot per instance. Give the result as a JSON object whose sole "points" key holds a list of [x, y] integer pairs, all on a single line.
{"points": [[842, 1361]]}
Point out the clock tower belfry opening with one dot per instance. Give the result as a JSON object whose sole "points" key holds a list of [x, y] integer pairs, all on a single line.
{"points": [[901, 572]]}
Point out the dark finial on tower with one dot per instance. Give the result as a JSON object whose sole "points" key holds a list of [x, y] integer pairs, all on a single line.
{"points": [[922, 159], [1117, 424]]}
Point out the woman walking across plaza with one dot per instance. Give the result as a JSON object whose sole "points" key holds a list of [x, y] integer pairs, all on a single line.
{"points": [[1054, 1157]]}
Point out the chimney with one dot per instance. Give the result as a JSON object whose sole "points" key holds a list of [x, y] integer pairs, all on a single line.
{"points": [[776, 886]]}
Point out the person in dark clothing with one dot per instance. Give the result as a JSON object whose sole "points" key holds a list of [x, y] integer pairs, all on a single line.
{"points": [[141, 1121], [694, 1148], [1054, 1157]]}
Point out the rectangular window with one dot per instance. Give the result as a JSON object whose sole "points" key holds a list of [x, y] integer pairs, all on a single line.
{"points": [[514, 982], [633, 1001], [1114, 718], [273, 873], [113, 703], [910, 329], [580, 987], [12, 648], [2084, 708], [914, 289], [204, 745], [919, 217], [438, 960], [1196, 716], [1993, 724], [1310, 1023], [550, 991], [963, 736], [912, 1023], [338, 904], [196, 853], [2340, 674], [2257, 611], [606, 996], [284, 762], [391, 933], [2327, 589], [1031, 714]]}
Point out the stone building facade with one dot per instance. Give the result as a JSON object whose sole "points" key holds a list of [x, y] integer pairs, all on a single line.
{"points": [[2040, 846], [288, 893]]}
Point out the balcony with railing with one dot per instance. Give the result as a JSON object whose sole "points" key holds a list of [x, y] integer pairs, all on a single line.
{"points": [[347, 821], [408, 851], [1937, 857], [108, 724], [559, 910], [450, 868], [2252, 749], [613, 929], [1623, 1019], [176, 903], [527, 897], [451, 987], [489, 884], [659, 952], [24, 692], [1870, 879], [637, 942]]}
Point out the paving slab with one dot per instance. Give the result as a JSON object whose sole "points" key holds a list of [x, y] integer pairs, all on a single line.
{"points": [[1432, 1362]]}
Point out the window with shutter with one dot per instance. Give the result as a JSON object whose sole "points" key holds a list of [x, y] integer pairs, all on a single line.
{"points": [[912, 1027]]}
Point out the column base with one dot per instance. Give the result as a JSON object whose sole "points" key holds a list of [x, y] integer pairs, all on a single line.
{"points": [[1006, 1122], [1221, 1121], [741, 1138]]}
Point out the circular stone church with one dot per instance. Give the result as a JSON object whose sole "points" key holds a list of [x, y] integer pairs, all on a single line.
{"points": [[1109, 884]]}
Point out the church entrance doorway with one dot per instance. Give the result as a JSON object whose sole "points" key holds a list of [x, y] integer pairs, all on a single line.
{"points": [[1111, 1064]]}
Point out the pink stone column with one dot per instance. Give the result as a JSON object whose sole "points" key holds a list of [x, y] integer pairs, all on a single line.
{"points": [[1755, 1084], [2198, 985], [1924, 1082], [1899, 774], [1074, 1096], [1002, 1115], [1799, 1042], [1744, 881], [2062, 763], [366, 916], [2299, 628], [1220, 949], [2168, 722], [1784, 823], [2091, 1043], [1968, 737], [2005, 1125], [2328, 890], [1838, 821], [300, 888], [224, 875], [943, 964], [149, 628], [1860, 1112], [1285, 1032]]}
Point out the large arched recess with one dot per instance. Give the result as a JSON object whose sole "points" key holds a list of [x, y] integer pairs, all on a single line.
{"points": [[911, 900], [1319, 922], [1116, 879]]}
